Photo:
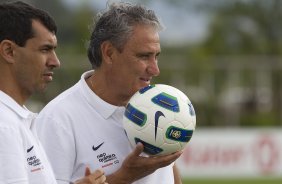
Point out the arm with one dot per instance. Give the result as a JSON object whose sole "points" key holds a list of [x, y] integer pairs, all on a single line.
{"points": [[136, 167], [177, 177]]}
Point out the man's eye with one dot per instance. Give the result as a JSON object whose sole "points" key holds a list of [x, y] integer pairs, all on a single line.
{"points": [[144, 56], [45, 50]]}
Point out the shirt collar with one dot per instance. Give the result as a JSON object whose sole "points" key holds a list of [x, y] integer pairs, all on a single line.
{"points": [[21, 111], [101, 106]]}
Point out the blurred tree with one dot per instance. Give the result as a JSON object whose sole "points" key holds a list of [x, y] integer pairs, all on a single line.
{"points": [[61, 15], [246, 27], [240, 31], [83, 21]]}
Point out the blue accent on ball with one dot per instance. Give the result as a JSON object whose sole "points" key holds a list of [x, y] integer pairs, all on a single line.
{"points": [[149, 148], [134, 115], [166, 101], [179, 134], [143, 90]]}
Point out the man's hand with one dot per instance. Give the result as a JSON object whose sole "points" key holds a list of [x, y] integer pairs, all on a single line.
{"points": [[135, 167], [96, 177]]}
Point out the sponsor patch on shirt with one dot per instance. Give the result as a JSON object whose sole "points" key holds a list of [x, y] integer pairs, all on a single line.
{"points": [[107, 159]]}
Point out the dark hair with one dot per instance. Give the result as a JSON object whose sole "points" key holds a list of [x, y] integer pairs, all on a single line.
{"points": [[116, 25], [16, 21]]}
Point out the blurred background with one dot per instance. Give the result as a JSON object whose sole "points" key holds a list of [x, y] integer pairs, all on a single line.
{"points": [[225, 55]]}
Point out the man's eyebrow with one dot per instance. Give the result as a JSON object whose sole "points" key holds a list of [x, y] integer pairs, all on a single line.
{"points": [[149, 53], [49, 46]]}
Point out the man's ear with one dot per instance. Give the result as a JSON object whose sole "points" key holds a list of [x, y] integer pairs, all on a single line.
{"points": [[107, 50], [7, 50]]}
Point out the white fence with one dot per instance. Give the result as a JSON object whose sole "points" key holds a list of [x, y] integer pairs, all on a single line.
{"points": [[222, 153]]}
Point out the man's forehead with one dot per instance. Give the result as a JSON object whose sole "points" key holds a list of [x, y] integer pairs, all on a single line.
{"points": [[42, 33]]}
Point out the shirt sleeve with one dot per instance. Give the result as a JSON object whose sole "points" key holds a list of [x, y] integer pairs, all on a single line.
{"points": [[12, 157], [59, 146]]}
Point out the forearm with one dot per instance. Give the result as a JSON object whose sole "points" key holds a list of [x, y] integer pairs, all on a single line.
{"points": [[177, 177], [117, 178]]}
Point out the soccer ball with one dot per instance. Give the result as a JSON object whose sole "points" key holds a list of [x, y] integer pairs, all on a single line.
{"points": [[161, 117]]}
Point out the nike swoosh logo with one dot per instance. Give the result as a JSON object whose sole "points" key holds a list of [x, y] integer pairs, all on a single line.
{"points": [[97, 147], [29, 149], [158, 114]]}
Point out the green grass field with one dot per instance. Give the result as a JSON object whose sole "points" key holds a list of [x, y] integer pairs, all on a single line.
{"points": [[232, 181]]}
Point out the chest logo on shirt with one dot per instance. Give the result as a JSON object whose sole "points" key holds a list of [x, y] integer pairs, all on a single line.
{"points": [[97, 147], [29, 149], [33, 161]]}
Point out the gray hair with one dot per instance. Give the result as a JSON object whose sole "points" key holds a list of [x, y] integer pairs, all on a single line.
{"points": [[116, 25]]}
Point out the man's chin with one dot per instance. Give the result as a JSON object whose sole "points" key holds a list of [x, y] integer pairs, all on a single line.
{"points": [[41, 89]]}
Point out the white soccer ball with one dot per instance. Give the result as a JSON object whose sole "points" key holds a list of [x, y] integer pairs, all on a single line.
{"points": [[161, 117]]}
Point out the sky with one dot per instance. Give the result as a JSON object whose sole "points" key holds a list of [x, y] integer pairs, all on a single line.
{"points": [[182, 26]]}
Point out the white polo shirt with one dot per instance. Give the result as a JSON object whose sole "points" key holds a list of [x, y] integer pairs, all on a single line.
{"points": [[79, 129], [22, 158]]}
